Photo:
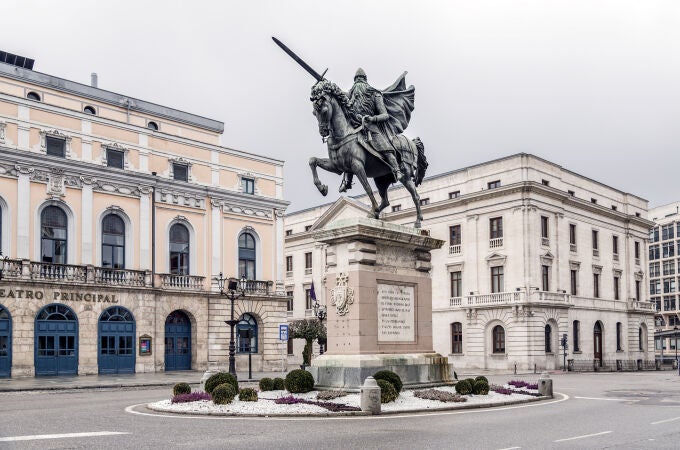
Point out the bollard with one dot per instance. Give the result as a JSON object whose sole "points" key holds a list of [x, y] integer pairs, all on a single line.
{"points": [[370, 396], [545, 385]]}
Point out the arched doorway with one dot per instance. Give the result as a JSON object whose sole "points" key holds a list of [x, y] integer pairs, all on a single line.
{"points": [[116, 341], [56, 341], [5, 343], [177, 342], [597, 342]]}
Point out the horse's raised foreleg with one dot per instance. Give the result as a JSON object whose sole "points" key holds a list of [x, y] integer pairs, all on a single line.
{"points": [[325, 164], [360, 173]]}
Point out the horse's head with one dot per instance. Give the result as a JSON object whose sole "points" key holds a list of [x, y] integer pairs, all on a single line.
{"points": [[323, 107]]}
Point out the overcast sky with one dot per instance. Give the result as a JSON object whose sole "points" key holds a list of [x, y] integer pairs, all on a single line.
{"points": [[591, 85]]}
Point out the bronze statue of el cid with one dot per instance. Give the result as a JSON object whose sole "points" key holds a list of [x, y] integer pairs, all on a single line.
{"points": [[363, 130]]}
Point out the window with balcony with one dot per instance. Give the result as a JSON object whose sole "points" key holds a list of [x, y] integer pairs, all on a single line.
{"points": [[493, 184], [113, 242], [619, 336], [667, 232], [179, 249], [654, 252], [596, 285], [498, 339], [616, 288], [545, 237], [548, 338], [454, 194], [496, 232], [577, 336], [308, 263], [574, 281], [115, 158], [180, 172], [456, 337], [248, 185], [497, 279], [54, 235], [545, 277], [55, 146], [456, 284], [247, 259], [668, 249], [455, 239]]}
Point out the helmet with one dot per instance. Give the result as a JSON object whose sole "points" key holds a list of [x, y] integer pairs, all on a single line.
{"points": [[360, 73]]}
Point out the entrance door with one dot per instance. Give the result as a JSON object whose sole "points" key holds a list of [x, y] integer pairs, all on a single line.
{"points": [[116, 341], [177, 341], [597, 344], [56, 341], [5, 343]]}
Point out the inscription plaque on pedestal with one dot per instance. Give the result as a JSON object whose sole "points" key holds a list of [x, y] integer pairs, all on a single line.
{"points": [[396, 313]]}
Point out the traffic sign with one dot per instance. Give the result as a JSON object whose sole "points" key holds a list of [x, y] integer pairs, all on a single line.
{"points": [[283, 332]]}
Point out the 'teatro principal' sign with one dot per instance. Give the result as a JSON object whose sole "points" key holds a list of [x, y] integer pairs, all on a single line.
{"points": [[58, 296]]}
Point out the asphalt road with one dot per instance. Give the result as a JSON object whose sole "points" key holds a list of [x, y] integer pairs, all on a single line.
{"points": [[628, 410]]}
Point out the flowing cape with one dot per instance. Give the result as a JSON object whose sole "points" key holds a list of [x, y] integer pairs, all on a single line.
{"points": [[399, 102]]}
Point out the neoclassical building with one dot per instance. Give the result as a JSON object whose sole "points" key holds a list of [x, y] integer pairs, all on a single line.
{"points": [[534, 252], [116, 215]]}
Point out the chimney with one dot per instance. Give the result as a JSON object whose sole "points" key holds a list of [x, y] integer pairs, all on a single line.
{"points": [[93, 79]]}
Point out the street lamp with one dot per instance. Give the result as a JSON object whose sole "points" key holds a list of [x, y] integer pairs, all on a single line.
{"points": [[320, 312], [235, 289]]}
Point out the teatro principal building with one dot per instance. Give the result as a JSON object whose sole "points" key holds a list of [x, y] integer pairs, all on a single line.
{"points": [[116, 214]]}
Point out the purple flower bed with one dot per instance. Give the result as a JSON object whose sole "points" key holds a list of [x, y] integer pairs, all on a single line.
{"points": [[523, 384], [506, 391], [291, 400], [193, 397]]}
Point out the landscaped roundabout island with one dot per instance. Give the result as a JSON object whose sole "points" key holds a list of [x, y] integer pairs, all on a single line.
{"points": [[295, 395]]}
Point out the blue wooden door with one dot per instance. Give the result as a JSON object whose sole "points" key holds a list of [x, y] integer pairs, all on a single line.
{"points": [[5, 343], [116, 341], [56, 341], [177, 342]]}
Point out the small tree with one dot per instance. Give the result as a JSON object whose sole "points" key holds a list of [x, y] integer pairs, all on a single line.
{"points": [[308, 330]]}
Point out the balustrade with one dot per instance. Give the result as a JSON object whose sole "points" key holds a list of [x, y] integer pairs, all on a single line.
{"points": [[454, 249]]}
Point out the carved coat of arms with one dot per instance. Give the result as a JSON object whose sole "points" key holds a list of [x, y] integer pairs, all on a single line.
{"points": [[341, 295]]}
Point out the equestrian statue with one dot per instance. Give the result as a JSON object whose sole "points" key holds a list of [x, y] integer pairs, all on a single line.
{"points": [[363, 131]]}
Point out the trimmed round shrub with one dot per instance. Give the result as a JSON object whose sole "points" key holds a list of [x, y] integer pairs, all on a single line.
{"points": [[223, 394], [181, 388], [279, 384], [220, 378], [247, 395], [266, 384], [388, 393], [464, 387], [390, 376], [483, 378], [299, 381], [480, 387]]}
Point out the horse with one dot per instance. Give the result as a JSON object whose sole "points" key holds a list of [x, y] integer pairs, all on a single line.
{"points": [[346, 154]]}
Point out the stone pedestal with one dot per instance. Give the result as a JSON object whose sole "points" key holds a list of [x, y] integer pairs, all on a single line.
{"points": [[379, 297]]}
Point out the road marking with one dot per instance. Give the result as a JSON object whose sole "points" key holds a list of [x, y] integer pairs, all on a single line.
{"points": [[610, 399], [36, 437], [665, 421], [583, 436], [510, 448], [131, 410]]}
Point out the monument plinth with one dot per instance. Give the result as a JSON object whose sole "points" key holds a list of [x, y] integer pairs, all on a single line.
{"points": [[379, 298]]}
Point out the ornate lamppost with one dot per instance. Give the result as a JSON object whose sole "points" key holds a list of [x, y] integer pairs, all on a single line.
{"points": [[320, 312], [235, 289]]}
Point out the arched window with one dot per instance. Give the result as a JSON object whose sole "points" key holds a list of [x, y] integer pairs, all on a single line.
{"points": [[548, 338], [56, 311], [90, 110], [33, 96], [53, 235], [116, 314], [179, 249], [246, 334], [152, 126], [246, 256], [113, 242], [498, 335], [456, 337]]}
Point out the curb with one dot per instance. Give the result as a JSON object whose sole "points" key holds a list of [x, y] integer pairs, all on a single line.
{"points": [[352, 413]]}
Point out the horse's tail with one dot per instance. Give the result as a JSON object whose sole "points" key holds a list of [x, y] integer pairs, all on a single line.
{"points": [[422, 161]]}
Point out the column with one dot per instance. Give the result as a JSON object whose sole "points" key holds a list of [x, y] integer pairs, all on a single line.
{"points": [[145, 227], [23, 211], [86, 150], [216, 238], [86, 224]]}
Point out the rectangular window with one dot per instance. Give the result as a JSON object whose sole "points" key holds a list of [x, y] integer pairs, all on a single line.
{"points": [[308, 227], [614, 208], [574, 281], [654, 234], [494, 184], [424, 201], [668, 285], [593, 200], [654, 252], [668, 267], [577, 337], [596, 285], [289, 232], [616, 288], [496, 228], [456, 337], [669, 302], [180, 172], [454, 194], [637, 290], [290, 346], [497, 279], [572, 193], [667, 232], [289, 263], [655, 287], [615, 245], [544, 227], [668, 249], [545, 277], [545, 182], [308, 260], [289, 307], [454, 235], [456, 284], [636, 249], [115, 158], [572, 233], [396, 208], [596, 242], [654, 270], [618, 336], [308, 298], [248, 185], [55, 146]]}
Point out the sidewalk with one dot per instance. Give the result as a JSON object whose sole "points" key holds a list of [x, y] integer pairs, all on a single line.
{"points": [[192, 377]]}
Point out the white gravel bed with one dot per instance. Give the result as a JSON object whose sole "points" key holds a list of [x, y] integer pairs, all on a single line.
{"points": [[265, 406]]}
